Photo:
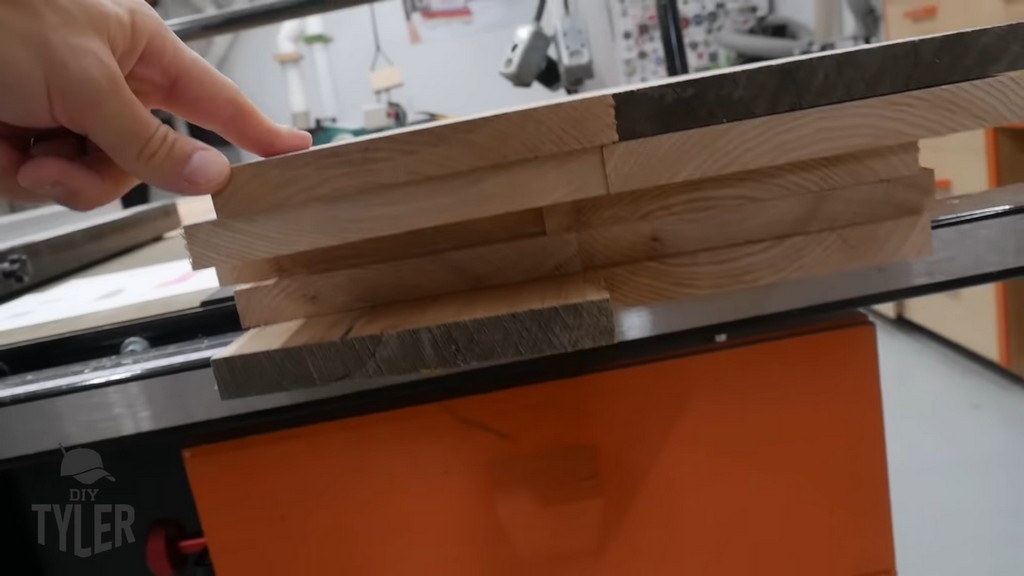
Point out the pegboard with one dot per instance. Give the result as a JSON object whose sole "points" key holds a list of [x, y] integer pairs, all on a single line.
{"points": [[637, 34]]}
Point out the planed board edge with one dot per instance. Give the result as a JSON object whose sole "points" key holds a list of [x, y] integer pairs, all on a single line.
{"points": [[414, 244], [803, 82], [778, 181], [684, 222], [768, 262], [814, 133], [738, 220], [449, 333], [458, 271], [711, 195], [396, 210], [336, 171]]}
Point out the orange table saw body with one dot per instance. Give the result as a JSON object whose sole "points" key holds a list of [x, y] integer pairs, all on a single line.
{"points": [[766, 458]]}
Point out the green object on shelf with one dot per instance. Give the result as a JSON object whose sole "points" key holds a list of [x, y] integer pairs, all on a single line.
{"points": [[328, 134], [318, 38]]}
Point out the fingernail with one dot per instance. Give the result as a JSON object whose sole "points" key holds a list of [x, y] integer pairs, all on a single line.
{"points": [[206, 169]]}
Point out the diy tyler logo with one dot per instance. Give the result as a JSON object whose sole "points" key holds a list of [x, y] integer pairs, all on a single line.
{"points": [[111, 524]]}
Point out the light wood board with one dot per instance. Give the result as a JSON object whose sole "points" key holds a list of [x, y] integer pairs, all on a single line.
{"points": [[414, 244], [668, 223], [723, 192], [458, 271], [762, 263], [335, 171], [405, 208]]}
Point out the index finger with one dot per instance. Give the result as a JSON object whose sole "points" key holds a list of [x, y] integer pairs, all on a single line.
{"points": [[196, 91]]}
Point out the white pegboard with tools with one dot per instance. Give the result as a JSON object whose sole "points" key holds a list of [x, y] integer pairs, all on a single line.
{"points": [[638, 40]]}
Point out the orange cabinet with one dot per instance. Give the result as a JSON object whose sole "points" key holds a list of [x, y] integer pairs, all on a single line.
{"points": [[767, 458]]}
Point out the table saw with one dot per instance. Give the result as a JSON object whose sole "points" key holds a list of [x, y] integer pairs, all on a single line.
{"points": [[733, 432]]}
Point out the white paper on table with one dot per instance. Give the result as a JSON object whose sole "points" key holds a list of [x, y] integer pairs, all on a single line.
{"points": [[106, 292]]}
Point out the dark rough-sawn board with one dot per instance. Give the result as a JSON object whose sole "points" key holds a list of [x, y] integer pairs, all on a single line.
{"points": [[420, 351], [822, 80]]}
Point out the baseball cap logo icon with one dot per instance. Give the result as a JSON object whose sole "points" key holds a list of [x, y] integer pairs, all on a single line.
{"points": [[84, 465]]}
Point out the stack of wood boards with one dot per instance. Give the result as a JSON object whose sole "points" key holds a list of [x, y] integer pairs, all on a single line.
{"points": [[515, 234]]}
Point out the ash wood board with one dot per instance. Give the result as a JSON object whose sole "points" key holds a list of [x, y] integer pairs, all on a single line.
{"points": [[335, 171], [776, 182], [405, 208], [457, 271], [761, 263], [414, 244], [741, 221], [668, 223], [412, 339]]}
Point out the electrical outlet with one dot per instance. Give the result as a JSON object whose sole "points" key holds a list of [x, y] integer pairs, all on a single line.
{"points": [[528, 55], [575, 60]]}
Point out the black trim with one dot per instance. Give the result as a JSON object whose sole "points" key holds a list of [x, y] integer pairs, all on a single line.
{"points": [[238, 19], [85, 345]]}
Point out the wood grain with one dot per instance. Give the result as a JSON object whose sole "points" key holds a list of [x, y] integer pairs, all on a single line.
{"points": [[693, 223], [776, 182], [399, 209], [767, 262], [667, 223], [735, 190], [805, 82], [195, 209], [815, 133], [414, 244], [456, 271], [448, 333], [336, 171]]}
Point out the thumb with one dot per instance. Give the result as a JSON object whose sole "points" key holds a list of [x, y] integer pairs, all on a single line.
{"points": [[117, 122]]}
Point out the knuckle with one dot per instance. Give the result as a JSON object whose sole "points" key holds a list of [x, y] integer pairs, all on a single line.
{"points": [[158, 147]]}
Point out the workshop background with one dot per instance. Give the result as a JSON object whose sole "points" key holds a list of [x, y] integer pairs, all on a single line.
{"points": [[951, 378]]}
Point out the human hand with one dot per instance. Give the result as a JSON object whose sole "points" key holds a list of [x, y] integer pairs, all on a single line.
{"points": [[78, 79]]}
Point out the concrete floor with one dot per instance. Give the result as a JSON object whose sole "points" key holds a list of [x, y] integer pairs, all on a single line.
{"points": [[955, 434]]}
